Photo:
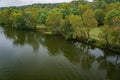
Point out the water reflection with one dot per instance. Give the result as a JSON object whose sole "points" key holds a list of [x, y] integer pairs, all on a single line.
{"points": [[23, 38], [86, 62]]}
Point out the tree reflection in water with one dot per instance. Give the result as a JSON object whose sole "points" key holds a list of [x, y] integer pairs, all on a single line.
{"points": [[77, 53]]}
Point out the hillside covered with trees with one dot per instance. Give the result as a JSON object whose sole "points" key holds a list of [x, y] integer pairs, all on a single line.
{"points": [[96, 22]]}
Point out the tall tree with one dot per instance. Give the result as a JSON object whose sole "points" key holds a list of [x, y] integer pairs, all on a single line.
{"points": [[4, 15], [53, 20], [42, 16], [77, 25], [89, 21], [31, 17], [17, 19]]}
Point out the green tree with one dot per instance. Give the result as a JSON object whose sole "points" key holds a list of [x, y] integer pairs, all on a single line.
{"points": [[99, 15], [115, 36], [4, 15], [67, 30], [42, 16], [99, 4], [110, 35], [112, 6], [111, 16], [83, 8], [66, 12], [73, 27], [89, 21], [116, 21], [65, 6], [53, 20], [115, 33], [31, 17], [77, 25], [17, 19], [105, 35]]}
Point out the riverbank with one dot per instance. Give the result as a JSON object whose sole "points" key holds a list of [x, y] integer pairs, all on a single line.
{"points": [[94, 40]]}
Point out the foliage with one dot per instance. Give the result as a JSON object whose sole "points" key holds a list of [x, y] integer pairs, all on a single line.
{"points": [[100, 4], [66, 29], [115, 33], [42, 16], [116, 21], [112, 1], [99, 15], [69, 11], [65, 6], [111, 16], [17, 19], [76, 25], [110, 35], [83, 8], [31, 17], [4, 15], [89, 21], [53, 20], [91, 40], [112, 6], [105, 35]]}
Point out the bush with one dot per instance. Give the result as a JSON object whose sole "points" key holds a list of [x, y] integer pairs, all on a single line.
{"points": [[91, 40]]}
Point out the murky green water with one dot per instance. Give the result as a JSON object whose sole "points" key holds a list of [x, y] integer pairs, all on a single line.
{"points": [[32, 56]]}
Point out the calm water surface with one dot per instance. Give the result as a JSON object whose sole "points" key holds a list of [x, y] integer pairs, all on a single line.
{"points": [[32, 56]]}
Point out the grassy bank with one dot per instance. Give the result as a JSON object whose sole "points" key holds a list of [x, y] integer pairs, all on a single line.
{"points": [[95, 40]]}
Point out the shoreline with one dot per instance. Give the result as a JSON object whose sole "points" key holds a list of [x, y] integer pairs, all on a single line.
{"points": [[97, 43]]}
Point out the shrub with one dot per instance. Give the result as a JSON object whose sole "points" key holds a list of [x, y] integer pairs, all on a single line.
{"points": [[91, 40]]}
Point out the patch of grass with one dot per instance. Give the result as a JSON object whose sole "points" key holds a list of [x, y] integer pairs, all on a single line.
{"points": [[94, 33], [41, 27], [48, 33]]}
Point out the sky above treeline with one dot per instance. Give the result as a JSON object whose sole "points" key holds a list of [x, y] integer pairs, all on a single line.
{"points": [[7, 3]]}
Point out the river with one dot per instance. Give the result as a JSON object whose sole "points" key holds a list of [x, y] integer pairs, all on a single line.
{"points": [[33, 56]]}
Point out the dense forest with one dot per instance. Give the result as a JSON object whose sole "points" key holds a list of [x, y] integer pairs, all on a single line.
{"points": [[96, 22]]}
